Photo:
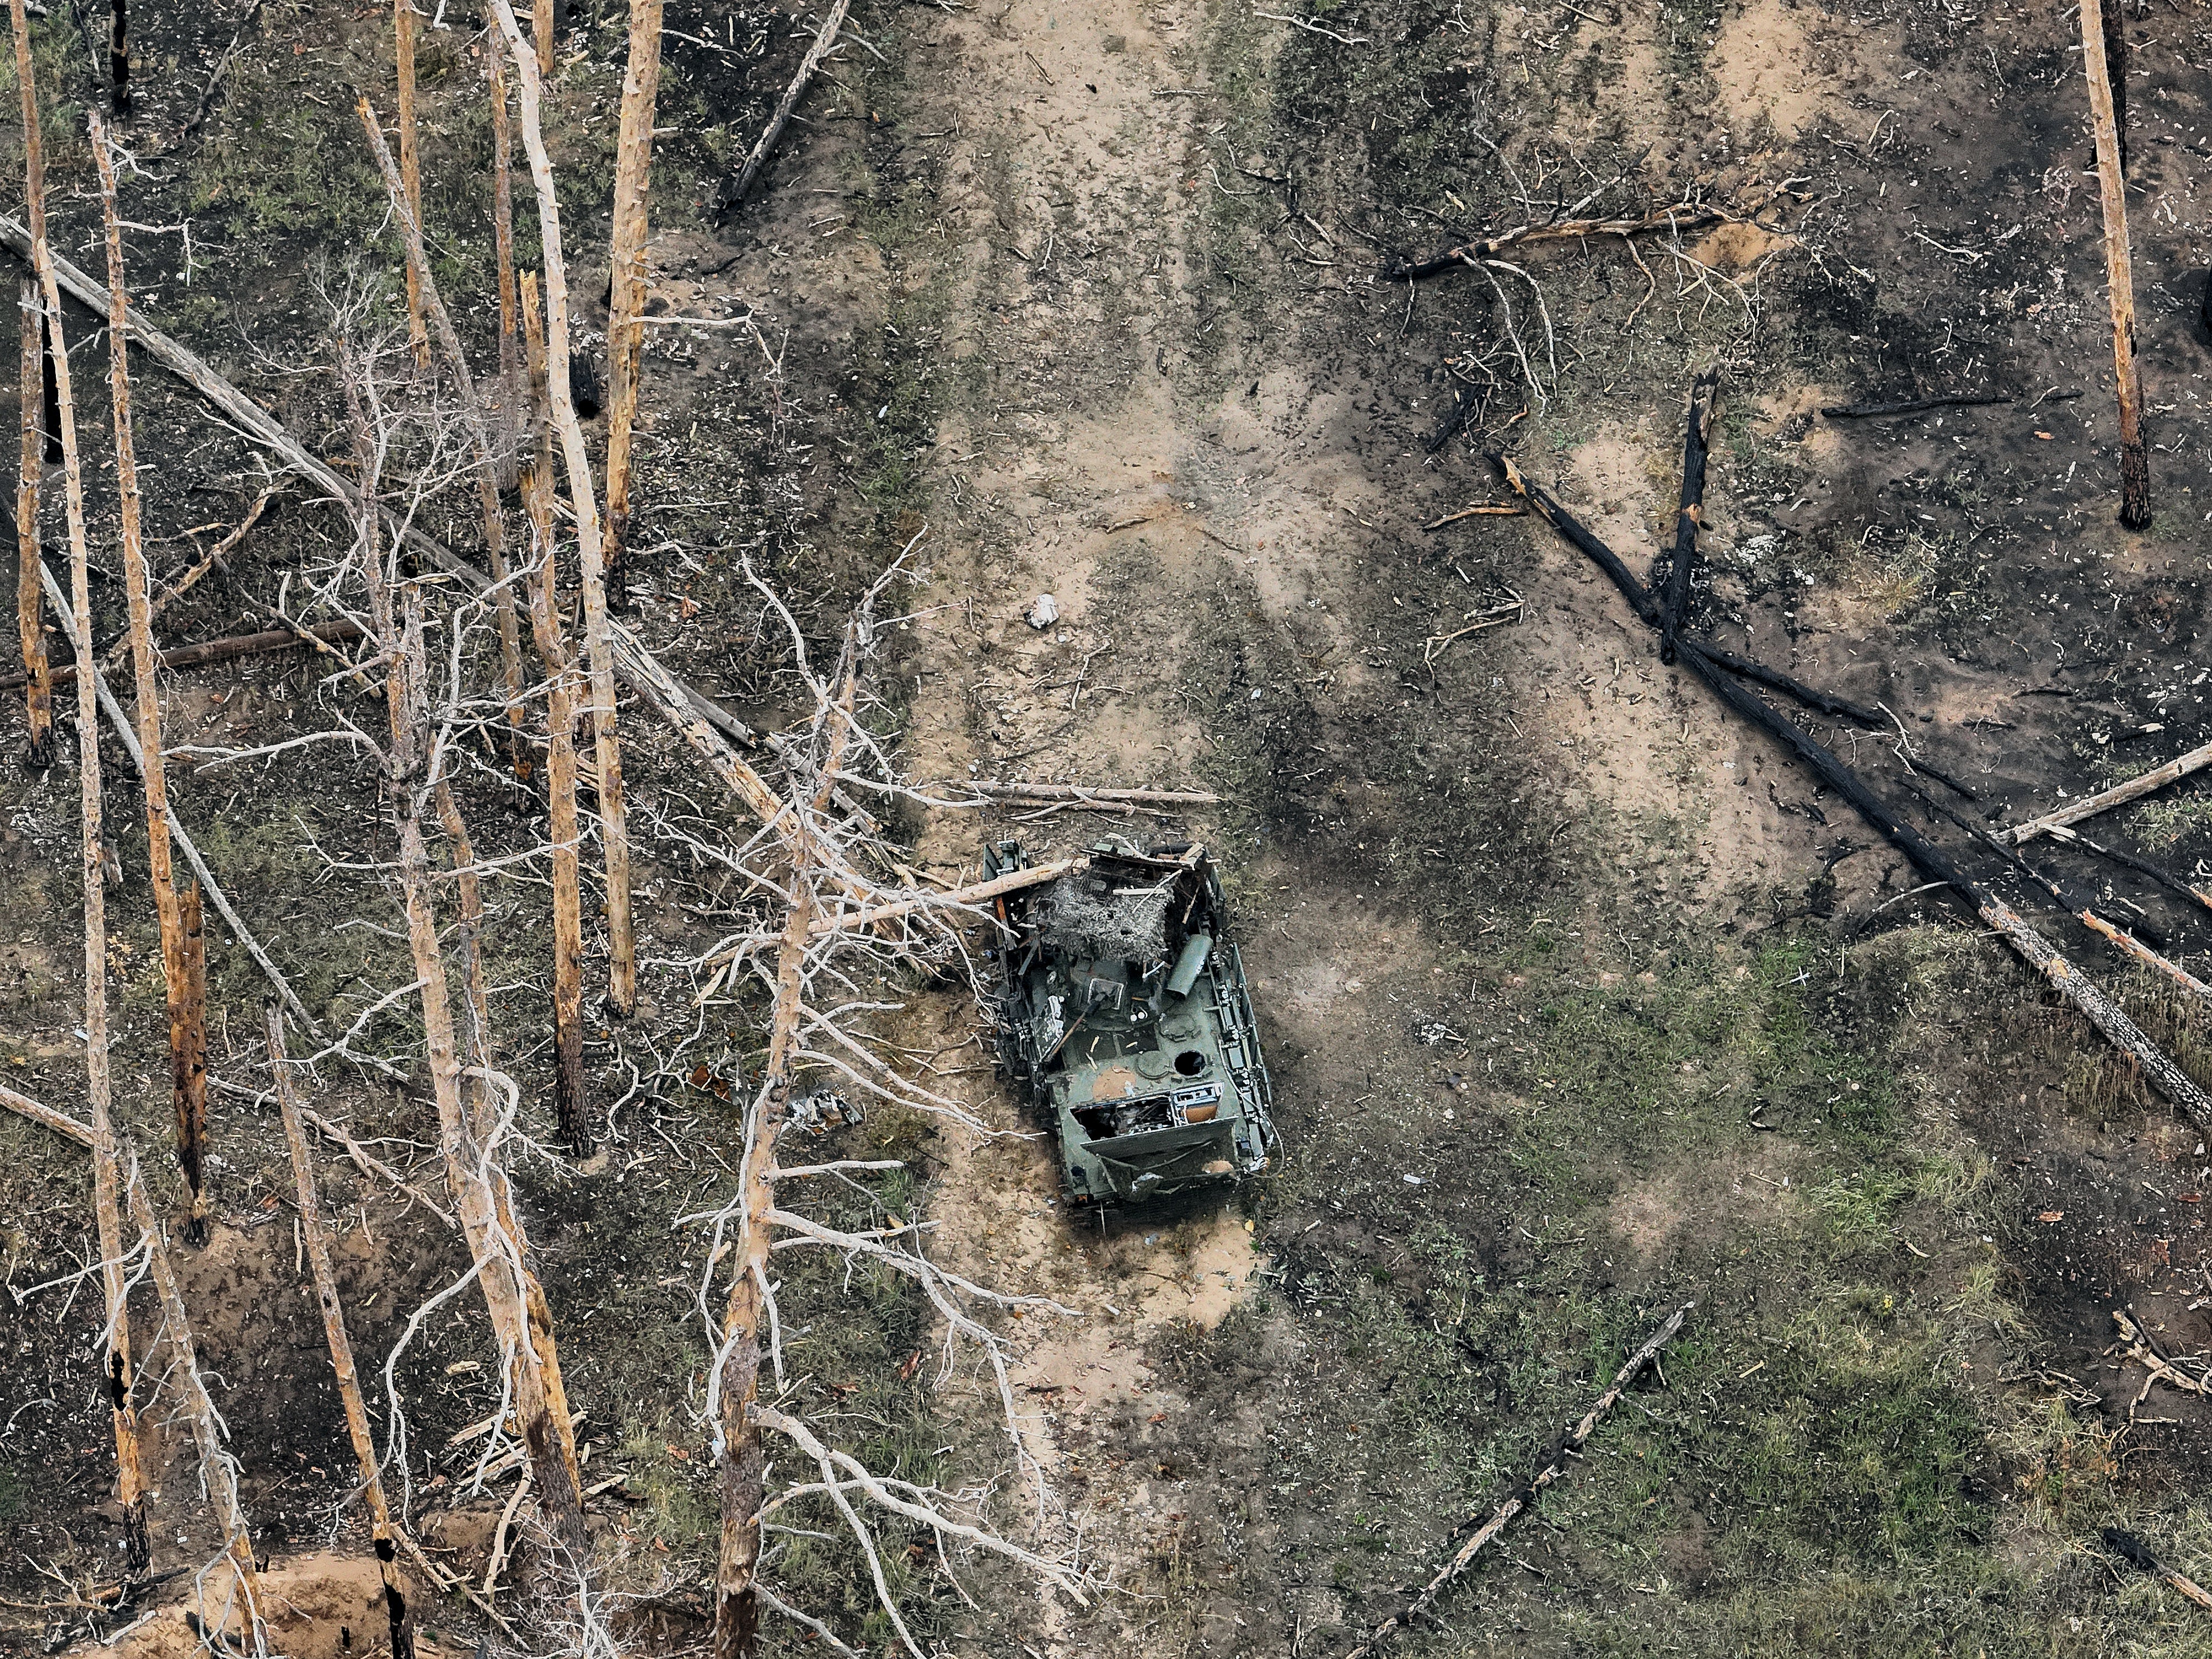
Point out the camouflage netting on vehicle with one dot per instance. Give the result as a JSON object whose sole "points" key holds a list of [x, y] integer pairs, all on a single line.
{"points": [[1128, 921]]}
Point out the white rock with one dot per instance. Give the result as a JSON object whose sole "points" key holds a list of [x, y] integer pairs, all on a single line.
{"points": [[1044, 613]]}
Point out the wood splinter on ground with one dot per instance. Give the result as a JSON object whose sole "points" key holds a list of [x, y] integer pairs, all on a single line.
{"points": [[1549, 1467], [2138, 1554]]}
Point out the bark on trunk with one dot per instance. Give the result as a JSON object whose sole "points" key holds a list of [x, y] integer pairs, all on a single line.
{"points": [[626, 285], [402, 35], [744, 1460], [317, 1245], [541, 29], [30, 606], [571, 1105], [216, 1469], [2119, 270], [130, 1486], [1689, 514], [187, 1064], [191, 1099], [502, 237], [614, 831], [2114, 19]]}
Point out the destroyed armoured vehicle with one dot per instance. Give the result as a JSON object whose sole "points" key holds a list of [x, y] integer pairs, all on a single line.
{"points": [[1122, 1013]]}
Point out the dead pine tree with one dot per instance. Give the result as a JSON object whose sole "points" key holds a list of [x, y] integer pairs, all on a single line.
{"points": [[561, 685], [187, 1028], [627, 283], [583, 498], [403, 36], [497, 1246], [29, 621], [2115, 20], [2119, 268], [30, 610], [316, 1245], [502, 237], [107, 1174], [743, 1463]]}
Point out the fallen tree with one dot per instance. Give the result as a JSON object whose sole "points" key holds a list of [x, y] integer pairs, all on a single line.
{"points": [[1549, 1467], [1933, 864]]}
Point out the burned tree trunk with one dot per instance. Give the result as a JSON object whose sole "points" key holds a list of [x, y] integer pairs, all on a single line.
{"points": [[108, 1179], [2113, 16], [497, 1245], [502, 236], [403, 37], [30, 609], [317, 1246], [498, 1253], [743, 1458], [2031, 946], [187, 1064], [217, 1470], [583, 497], [2119, 269], [626, 286], [1690, 513], [570, 1105]]}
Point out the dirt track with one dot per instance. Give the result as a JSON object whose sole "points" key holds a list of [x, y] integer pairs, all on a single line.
{"points": [[1581, 1003]]}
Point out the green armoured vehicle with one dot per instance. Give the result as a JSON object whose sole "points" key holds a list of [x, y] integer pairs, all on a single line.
{"points": [[1122, 1012]]}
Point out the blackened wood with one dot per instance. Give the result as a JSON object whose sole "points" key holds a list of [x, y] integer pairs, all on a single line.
{"points": [[2164, 878], [1913, 406], [2113, 16], [1932, 862], [119, 58], [1690, 511]]}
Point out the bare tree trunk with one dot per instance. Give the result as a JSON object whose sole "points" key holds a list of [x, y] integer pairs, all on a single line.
{"points": [[496, 1242], [2115, 22], [403, 34], [130, 1486], [30, 610], [541, 27], [502, 236], [318, 1249], [743, 1459], [744, 1467], [191, 1101], [546, 1433], [614, 831], [2119, 269], [562, 828], [425, 288], [626, 288], [187, 1069], [216, 1468]]}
